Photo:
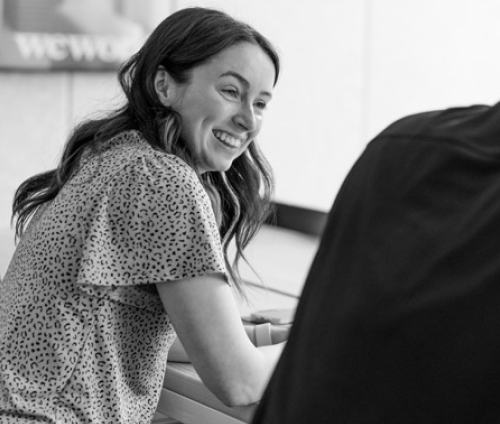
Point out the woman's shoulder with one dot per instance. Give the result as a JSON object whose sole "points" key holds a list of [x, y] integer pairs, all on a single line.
{"points": [[130, 145], [131, 154]]}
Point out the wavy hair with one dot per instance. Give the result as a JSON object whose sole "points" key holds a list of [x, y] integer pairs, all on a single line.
{"points": [[241, 196]]}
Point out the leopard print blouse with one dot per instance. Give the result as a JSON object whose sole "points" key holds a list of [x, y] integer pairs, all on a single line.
{"points": [[83, 334]]}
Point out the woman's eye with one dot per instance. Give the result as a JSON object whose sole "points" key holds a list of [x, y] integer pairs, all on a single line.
{"points": [[261, 105], [231, 92]]}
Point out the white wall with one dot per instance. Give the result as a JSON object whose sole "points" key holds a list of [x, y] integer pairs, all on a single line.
{"points": [[350, 67], [426, 54]]}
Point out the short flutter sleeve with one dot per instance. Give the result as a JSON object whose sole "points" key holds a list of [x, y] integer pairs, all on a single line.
{"points": [[151, 222]]}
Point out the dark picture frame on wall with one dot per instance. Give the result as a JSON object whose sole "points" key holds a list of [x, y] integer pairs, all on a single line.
{"points": [[92, 35]]}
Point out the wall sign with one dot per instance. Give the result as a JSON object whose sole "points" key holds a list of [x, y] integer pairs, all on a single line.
{"points": [[67, 35]]}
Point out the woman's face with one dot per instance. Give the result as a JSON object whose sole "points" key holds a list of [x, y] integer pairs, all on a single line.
{"points": [[223, 105]]}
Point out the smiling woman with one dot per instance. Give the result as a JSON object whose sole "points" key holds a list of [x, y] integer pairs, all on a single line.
{"points": [[222, 105], [128, 237]]}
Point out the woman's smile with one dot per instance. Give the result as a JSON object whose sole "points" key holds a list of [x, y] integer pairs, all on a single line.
{"points": [[228, 140]]}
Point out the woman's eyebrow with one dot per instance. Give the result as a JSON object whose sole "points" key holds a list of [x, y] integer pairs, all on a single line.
{"points": [[242, 80]]}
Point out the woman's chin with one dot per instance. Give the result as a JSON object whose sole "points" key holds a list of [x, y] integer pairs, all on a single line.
{"points": [[220, 166]]}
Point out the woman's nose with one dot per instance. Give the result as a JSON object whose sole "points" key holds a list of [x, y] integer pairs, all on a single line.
{"points": [[245, 118]]}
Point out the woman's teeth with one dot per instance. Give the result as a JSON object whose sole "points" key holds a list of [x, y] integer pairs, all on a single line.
{"points": [[227, 139]]}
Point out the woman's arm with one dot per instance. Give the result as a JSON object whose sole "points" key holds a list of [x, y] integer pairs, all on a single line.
{"points": [[207, 321], [279, 334]]}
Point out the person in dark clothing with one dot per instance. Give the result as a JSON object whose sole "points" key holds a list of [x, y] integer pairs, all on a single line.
{"points": [[399, 318]]}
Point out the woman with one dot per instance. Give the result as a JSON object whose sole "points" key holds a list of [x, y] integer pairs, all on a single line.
{"points": [[128, 237]]}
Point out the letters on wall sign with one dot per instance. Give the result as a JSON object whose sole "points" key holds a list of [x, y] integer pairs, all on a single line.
{"points": [[67, 35]]}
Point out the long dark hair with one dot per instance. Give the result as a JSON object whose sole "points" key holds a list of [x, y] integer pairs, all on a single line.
{"points": [[241, 196]]}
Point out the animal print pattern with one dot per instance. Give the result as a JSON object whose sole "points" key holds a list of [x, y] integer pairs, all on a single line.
{"points": [[83, 334]]}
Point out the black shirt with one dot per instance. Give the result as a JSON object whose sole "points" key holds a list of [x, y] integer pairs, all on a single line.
{"points": [[399, 320]]}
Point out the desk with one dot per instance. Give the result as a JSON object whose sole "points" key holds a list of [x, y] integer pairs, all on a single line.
{"points": [[282, 259]]}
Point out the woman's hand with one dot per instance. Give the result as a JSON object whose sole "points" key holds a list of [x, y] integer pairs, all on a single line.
{"points": [[279, 333]]}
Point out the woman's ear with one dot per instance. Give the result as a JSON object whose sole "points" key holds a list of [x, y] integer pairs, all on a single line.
{"points": [[164, 86]]}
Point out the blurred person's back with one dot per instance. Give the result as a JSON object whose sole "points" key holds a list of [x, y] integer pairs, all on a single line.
{"points": [[399, 318]]}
